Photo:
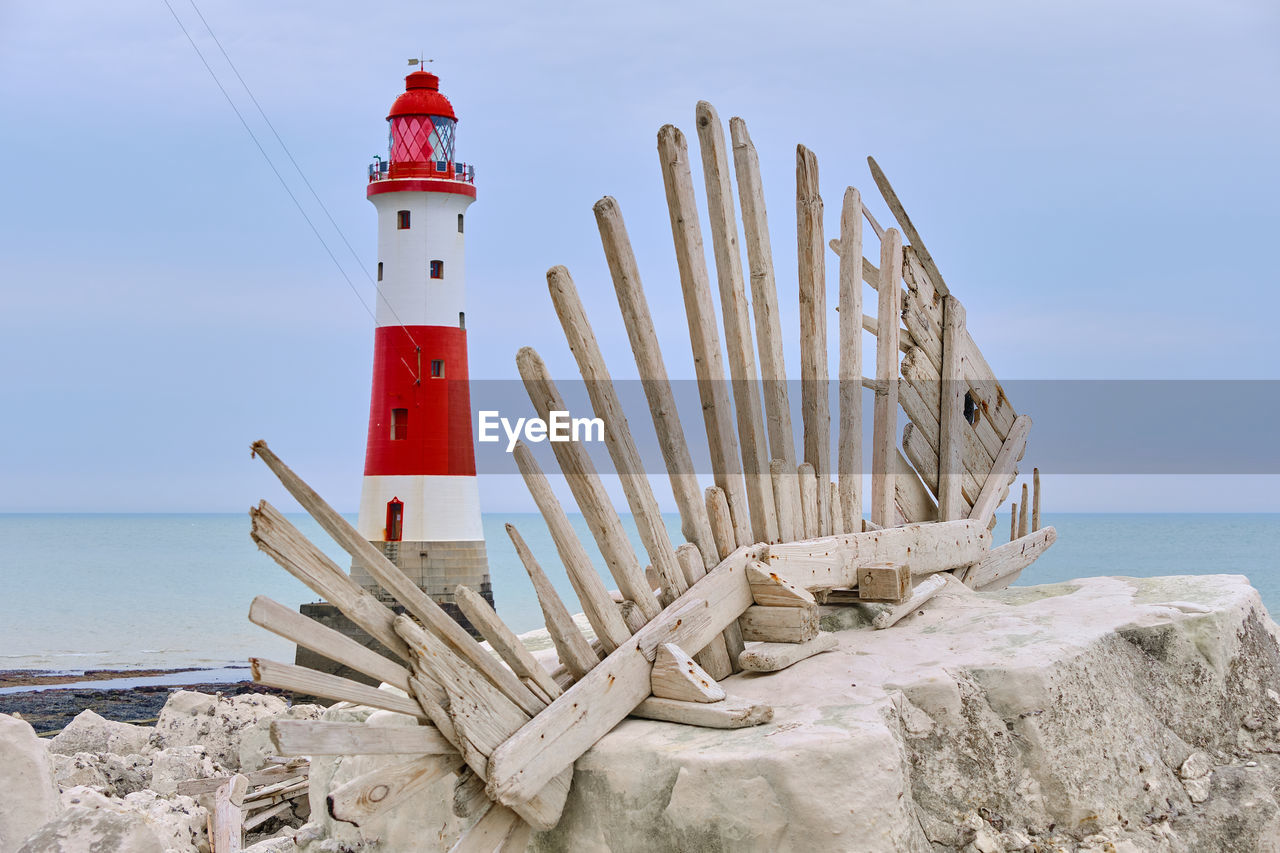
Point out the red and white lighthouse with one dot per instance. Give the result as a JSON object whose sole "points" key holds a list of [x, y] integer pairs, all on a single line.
{"points": [[420, 502]]}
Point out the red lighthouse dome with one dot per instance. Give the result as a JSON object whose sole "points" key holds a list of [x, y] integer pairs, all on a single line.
{"points": [[422, 124]]}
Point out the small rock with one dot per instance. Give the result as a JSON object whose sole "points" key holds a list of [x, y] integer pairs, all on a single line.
{"points": [[83, 768], [214, 722], [85, 828], [986, 842], [1197, 789], [89, 732], [29, 797], [180, 822], [179, 764], [1197, 765]]}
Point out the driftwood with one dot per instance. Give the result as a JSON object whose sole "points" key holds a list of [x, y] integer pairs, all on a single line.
{"points": [[314, 737], [300, 679], [849, 441], [779, 624], [884, 582], [677, 676], [228, 816], [366, 796], [501, 639], [922, 593], [951, 428], [771, 657], [1002, 565], [572, 648], [813, 326], [884, 430], [729, 713]]}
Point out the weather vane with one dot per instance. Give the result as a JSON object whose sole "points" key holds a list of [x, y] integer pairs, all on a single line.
{"points": [[420, 61]]}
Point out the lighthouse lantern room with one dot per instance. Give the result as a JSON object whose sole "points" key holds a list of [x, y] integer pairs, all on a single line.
{"points": [[420, 502]]}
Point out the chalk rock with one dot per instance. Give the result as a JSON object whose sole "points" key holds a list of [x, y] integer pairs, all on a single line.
{"points": [[180, 822], [180, 763], [81, 769], [1055, 713], [81, 829], [423, 822], [89, 732], [255, 741], [28, 793], [214, 722]]}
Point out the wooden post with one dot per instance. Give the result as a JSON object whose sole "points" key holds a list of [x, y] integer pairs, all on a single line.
{"points": [[764, 295], [572, 648], [952, 389], [1004, 467], [715, 658], [786, 493], [1024, 513], [885, 427], [594, 598], [228, 818], [837, 513], [900, 214], [1035, 500], [810, 251], [737, 324], [849, 442], [503, 641], [653, 376], [721, 523], [593, 501], [1013, 521], [810, 508], [617, 436], [712, 389]]}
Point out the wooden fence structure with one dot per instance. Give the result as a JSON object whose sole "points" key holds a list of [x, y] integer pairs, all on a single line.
{"points": [[780, 532]]}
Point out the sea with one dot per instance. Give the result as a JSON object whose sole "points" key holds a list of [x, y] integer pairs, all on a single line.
{"points": [[108, 591]]}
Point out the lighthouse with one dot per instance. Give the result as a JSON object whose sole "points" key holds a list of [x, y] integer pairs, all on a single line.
{"points": [[420, 502]]}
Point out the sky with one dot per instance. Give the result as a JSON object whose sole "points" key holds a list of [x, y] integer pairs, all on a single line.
{"points": [[1097, 182]]}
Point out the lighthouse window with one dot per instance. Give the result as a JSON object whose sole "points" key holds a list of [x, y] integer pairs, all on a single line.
{"points": [[437, 269], [402, 219], [399, 424], [459, 223], [379, 270], [437, 368]]}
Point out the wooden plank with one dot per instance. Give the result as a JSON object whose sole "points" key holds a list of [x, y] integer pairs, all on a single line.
{"points": [[1002, 566], [837, 514], [592, 595], [884, 582], [588, 710], [588, 490], [951, 503], [316, 737], [264, 816], [433, 699], [923, 453], [228, 818], [764, 295], [770, 590], [981, 442], [849, 440], [572, 648], [810, 507], [737, 324], [503, 640], [814, 375], [276, 537], [309, 633], [469, 798], [729, 713], [300, 679], [1013, 521], [493, 828], [677, 676], [1004, 467], [779, 624], [721, 520], [715, 657], [267, 775], [1024, 511], [713, 390], [621, 447], [885, 415], [911, 497], [786, 494], [832, 562], [653, 373], [370, 795], [923, 591], [1035, 500], [900, 214], [395, 582], [771, 657]]}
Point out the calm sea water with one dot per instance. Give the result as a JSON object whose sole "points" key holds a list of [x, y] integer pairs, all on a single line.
{"points": [[138, 591]]}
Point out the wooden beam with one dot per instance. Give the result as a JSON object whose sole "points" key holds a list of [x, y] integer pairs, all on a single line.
{"points": [[771, 657], [770, 590], [721, 520], [621, 445], [370, 795], [1002, 566], [737, 324], [588, 490], [885, 426], [715, 658], [849, 441], [503, 640], [572, 648], [300, 679], [309, 633], [653, 374], [1004, 467], [1024, 512], [764, 295], [729, 713], [779, 624], [900, 214], [884, 582], [922, 451], [228, 817], [395, 582], [588, 710], [832, 562], [951, 503], [923, 591], [981, 441], [810, 507], [265, 776], [677, 676], [814, 375], [316, 737], [911, 497], [713, 390]]}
